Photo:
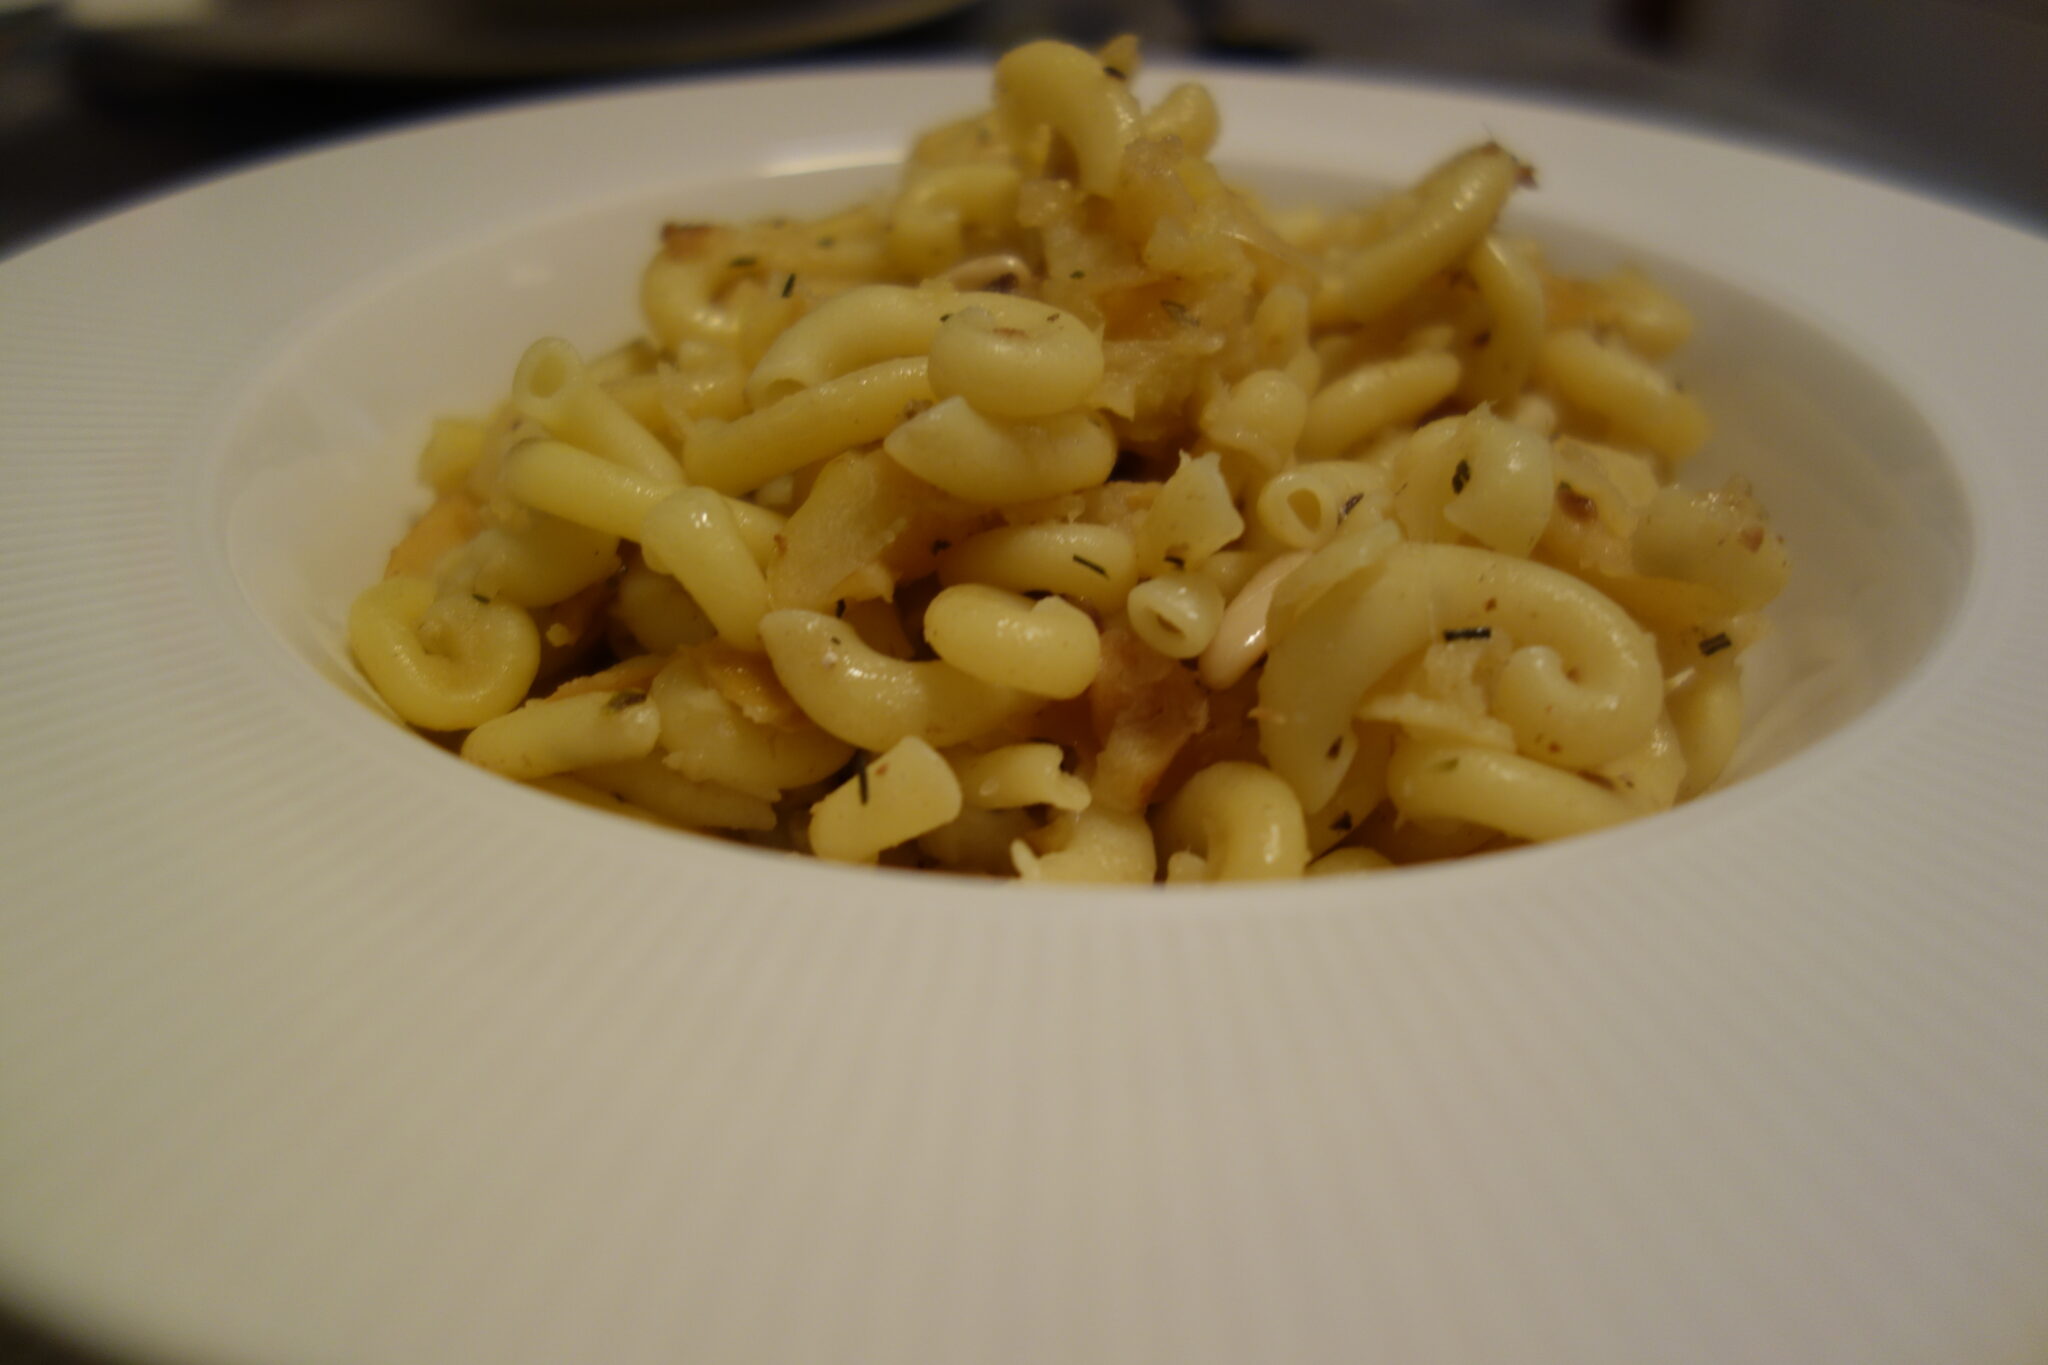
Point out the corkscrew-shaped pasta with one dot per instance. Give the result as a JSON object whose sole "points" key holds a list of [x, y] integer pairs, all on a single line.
{"points": [[1071, 516]]}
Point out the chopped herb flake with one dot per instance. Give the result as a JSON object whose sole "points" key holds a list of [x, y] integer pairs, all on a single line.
{"points": [[839, 608], [1461, 476], [1336, 747], [1078, 275], [1350, 504], [480, 599], [1714, 644], [861, 776], [1176, 561], [788, 283], [1116, 73], [1177, 310], [1470, 633], [623, 700], [1091, 566], [826, 241], [742, 262]]}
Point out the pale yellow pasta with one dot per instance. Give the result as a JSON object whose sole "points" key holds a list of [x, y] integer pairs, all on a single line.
{"points": [[1534, 411], [693, 536], [807, 426], [1477, 476], [1194, 517], [546, 737], [1359, 792], [880, 625], [451, 452], [1034, 363], [1053, 87], [1512, 289], [1230, 570], [444, 663], [642, 396], [587, 794], [1241, 820], [1434, 716], [879, 322], [869, 699], [1240, 638], [656, 612], [1706, 714], [1639, 401], [1454, 209], [1650, 776], [907, 791], [1303, 507], [1049, 648], [1066, 513], [1093, 565], [860, 328], [1348, 411], [577, 486], [760, 528], [652, 785], [977, 840], [553, 387], [1718, 540], [1021, 775], [1186, 113], [1433, 780], [534, 561], [939, 205], [1091, 846], [1262, 416], [1652, 321], [953, 447], [1583, 687], [1176, 614], [704, 380], [1360, 548], [706, 738], [675, 297]]}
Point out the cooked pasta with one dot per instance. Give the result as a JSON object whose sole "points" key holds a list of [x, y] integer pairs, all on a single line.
{"points": [[1067, 515]]}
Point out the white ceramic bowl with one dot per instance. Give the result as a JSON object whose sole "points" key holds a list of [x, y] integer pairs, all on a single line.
{"points": [[318, 1045]]}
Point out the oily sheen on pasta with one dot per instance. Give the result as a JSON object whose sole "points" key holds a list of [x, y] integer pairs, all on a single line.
{"points": [[1067, 514]]}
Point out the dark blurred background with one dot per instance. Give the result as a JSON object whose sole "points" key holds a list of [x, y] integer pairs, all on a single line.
{"points": [[104, 101]]}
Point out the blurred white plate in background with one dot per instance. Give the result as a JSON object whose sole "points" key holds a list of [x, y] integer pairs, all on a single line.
{"points": [[482, 39]]}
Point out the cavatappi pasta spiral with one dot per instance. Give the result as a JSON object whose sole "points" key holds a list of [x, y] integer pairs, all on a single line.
{"points": [[1065, 514]]}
